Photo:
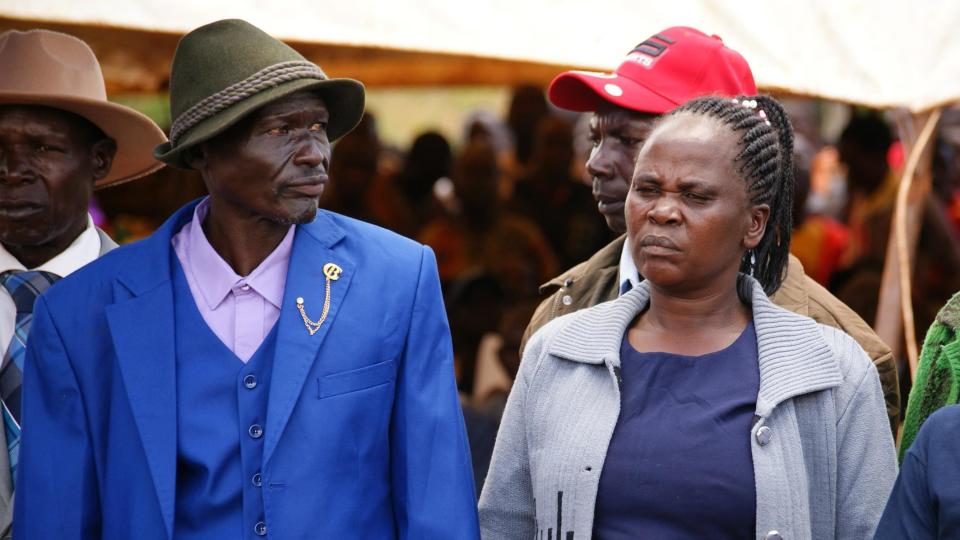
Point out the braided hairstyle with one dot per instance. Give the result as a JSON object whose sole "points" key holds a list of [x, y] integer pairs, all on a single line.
{"points": [[766, 163]]}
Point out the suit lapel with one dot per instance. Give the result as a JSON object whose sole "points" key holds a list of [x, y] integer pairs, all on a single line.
{"points": [[141, 325], [296, 349], [142, 329]]}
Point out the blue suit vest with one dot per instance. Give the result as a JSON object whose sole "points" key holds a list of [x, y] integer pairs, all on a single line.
{"points": [[221, 414]]}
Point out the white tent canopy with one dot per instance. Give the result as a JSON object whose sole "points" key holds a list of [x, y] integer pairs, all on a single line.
{"points": [[878, 53]]}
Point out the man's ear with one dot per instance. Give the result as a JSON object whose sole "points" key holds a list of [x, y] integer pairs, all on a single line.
{"points": [[759, 216], [102, 153]]}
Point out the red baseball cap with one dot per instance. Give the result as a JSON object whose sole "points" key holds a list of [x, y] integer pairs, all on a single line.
{"points": [[665, 71]]}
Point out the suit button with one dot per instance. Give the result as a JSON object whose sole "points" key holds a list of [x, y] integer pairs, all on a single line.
{"points": [[255, 431], [250, 382], [257, 480], [568, 282], [567, 299], [260, 528], [773, 535]]}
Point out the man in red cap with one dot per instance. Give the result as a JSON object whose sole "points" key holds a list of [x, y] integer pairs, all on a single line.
{"points": [[661, 73]]}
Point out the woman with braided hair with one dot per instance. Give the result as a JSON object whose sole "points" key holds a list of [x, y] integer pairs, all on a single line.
{"points": [[692, 406]]}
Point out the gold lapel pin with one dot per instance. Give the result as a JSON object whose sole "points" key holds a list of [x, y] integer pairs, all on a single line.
{"points": [[332, 272]]}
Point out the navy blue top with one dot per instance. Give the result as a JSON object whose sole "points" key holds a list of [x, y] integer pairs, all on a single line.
{"points": [[925, 502], [679, 463]]}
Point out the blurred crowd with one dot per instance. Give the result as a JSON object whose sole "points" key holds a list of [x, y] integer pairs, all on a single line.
{"points": [[509, 206]]}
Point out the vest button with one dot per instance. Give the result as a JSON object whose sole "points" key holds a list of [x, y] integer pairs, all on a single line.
{"points": [[255, 431], [260, 528], [257, 480], [764, 434], [250, 382]]}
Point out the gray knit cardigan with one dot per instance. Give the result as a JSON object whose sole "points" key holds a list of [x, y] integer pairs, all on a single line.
{"points": [[823, 459]]}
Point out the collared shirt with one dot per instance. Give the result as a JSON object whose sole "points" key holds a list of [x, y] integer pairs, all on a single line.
{"points": [[84, 249], [628, 268], [240, 310]]}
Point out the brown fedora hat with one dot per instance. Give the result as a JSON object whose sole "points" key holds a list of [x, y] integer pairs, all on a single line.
{"points": [[57, 70]]}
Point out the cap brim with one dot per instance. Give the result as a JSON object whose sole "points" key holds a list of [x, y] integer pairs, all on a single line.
{"points": [[135, 134], [586, 91], [344, 99]]}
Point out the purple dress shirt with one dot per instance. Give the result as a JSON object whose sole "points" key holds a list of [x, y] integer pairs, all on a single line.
{"points": [[240, 310]]}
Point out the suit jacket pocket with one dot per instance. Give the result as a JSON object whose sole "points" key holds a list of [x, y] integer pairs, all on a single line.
{"points": [[356, 379]]}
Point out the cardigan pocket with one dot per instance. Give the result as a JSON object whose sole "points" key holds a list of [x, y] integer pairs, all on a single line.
{"points": [[355, 380]]}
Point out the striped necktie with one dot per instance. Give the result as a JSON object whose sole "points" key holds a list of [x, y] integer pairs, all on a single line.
{"points": [[24, 288]]}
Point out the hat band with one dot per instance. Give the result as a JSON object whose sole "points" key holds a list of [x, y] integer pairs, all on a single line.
{"points": [[264, 79]]}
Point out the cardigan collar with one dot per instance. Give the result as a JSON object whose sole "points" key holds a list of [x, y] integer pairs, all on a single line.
{"points": [[794, 357]]}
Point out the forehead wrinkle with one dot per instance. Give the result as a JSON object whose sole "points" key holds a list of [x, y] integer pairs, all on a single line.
{"points": [[683, 148]]}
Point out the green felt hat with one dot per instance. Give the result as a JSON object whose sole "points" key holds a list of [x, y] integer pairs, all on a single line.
{"points": [[225, 70]]}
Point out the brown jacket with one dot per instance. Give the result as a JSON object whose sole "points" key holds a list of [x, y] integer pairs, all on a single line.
{"points": [[597, 280]]}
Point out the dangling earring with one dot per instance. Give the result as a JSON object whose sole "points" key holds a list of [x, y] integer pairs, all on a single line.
{"points": [[753, 262]]}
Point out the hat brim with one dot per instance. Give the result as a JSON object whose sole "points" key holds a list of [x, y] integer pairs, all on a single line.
{"points": [[344, 99], [586, 91], [135, 134]]}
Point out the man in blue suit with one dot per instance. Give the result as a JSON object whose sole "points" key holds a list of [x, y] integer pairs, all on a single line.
{"points": [[256, 367]]}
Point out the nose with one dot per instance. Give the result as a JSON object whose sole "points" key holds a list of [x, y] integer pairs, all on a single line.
{"points": [[664, 211], [314, 153], [599, 165], [14, 170]]}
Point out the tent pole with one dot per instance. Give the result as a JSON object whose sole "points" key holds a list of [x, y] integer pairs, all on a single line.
{"points": [[895, 323]]}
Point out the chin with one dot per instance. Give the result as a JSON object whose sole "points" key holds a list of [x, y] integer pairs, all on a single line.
{"points": [[22, 236], [304, 217], [616, 224], [298, 214], [661, 274]]}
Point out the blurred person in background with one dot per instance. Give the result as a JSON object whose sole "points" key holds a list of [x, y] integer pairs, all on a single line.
{"points": [[660, 73], [353, 174], [865, 148], [871, 187], [497, 363], [413, 205], [821, 243], [561, 204], [528, 106], [485, 237], [474, 303]]}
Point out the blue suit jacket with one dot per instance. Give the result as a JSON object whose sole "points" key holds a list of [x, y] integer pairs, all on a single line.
{"points": [[363, 439]]}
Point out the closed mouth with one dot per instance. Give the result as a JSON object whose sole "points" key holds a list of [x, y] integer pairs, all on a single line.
{"points": [[19, 209], [609, 204], [664, 242], [311, 186]]}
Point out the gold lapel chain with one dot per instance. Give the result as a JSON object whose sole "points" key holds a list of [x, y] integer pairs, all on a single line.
{"points": [[332, 273]]}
